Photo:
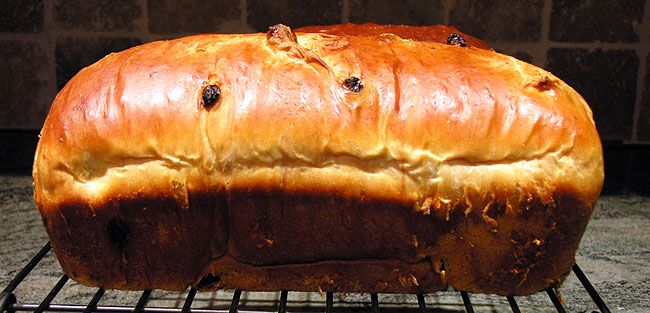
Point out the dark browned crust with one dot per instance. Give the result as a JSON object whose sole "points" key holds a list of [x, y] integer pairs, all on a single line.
{"points": [[371, 276], [276, 240], [280, 227], [165, 244], [515, 250]]}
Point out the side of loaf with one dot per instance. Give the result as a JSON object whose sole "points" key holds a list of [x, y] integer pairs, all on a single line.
{"points": [[312, 161]]}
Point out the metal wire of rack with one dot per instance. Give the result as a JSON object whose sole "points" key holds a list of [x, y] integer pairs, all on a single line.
{"points": [[9, 303]]}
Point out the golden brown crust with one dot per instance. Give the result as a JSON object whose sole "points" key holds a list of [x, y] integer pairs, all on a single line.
{"points": [[440, 153], [433, 33]]}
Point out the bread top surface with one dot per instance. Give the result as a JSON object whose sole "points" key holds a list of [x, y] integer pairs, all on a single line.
{"points": [[432, 124], [433, 33]]}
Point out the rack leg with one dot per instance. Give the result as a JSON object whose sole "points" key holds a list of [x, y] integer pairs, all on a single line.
{"points": [[329, 302], [187, 306], [235, 302], [556, 301], [283, 302], [92, 305], [50, 296], [421, 304], [6, 299], [139, 307], [513, 304], [28, 268], [466, 302], [375, 302], [590, 289]]}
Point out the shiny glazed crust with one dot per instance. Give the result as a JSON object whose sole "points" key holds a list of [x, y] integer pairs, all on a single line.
{"points": [[433, 33], [439, 164]]}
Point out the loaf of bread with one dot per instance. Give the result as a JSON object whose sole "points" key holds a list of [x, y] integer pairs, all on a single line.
{"points": [[314, 161]]}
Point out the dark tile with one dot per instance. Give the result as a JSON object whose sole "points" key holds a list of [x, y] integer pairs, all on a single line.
{"points": [[293, 13], [643, 128], [639, 180], [498, 20], [21, 16], [174, 17], [406, 12], [640, 170], [24, 67], [589, 21], [17, 153], [97, 15], [72, 54], [524, 56], [627, 168], [617, 168], [606, 79]]}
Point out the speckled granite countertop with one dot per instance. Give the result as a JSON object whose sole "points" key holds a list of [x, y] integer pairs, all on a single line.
{"points": [[614, 254]]}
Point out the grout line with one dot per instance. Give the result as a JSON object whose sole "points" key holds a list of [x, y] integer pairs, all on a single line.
{"points": [[539, 57], [243, 6], [642, 52], [447, 7], [48, 38], [145, 33], [345, 14]]}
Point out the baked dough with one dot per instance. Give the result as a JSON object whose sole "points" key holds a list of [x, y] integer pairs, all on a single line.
{"points": [[313, 161]]}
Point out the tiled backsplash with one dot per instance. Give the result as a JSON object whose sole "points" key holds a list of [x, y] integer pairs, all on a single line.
{"points": [[601, 48]]}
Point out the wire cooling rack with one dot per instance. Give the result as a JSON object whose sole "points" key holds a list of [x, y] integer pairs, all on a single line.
{"points": [[9, 303]]}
